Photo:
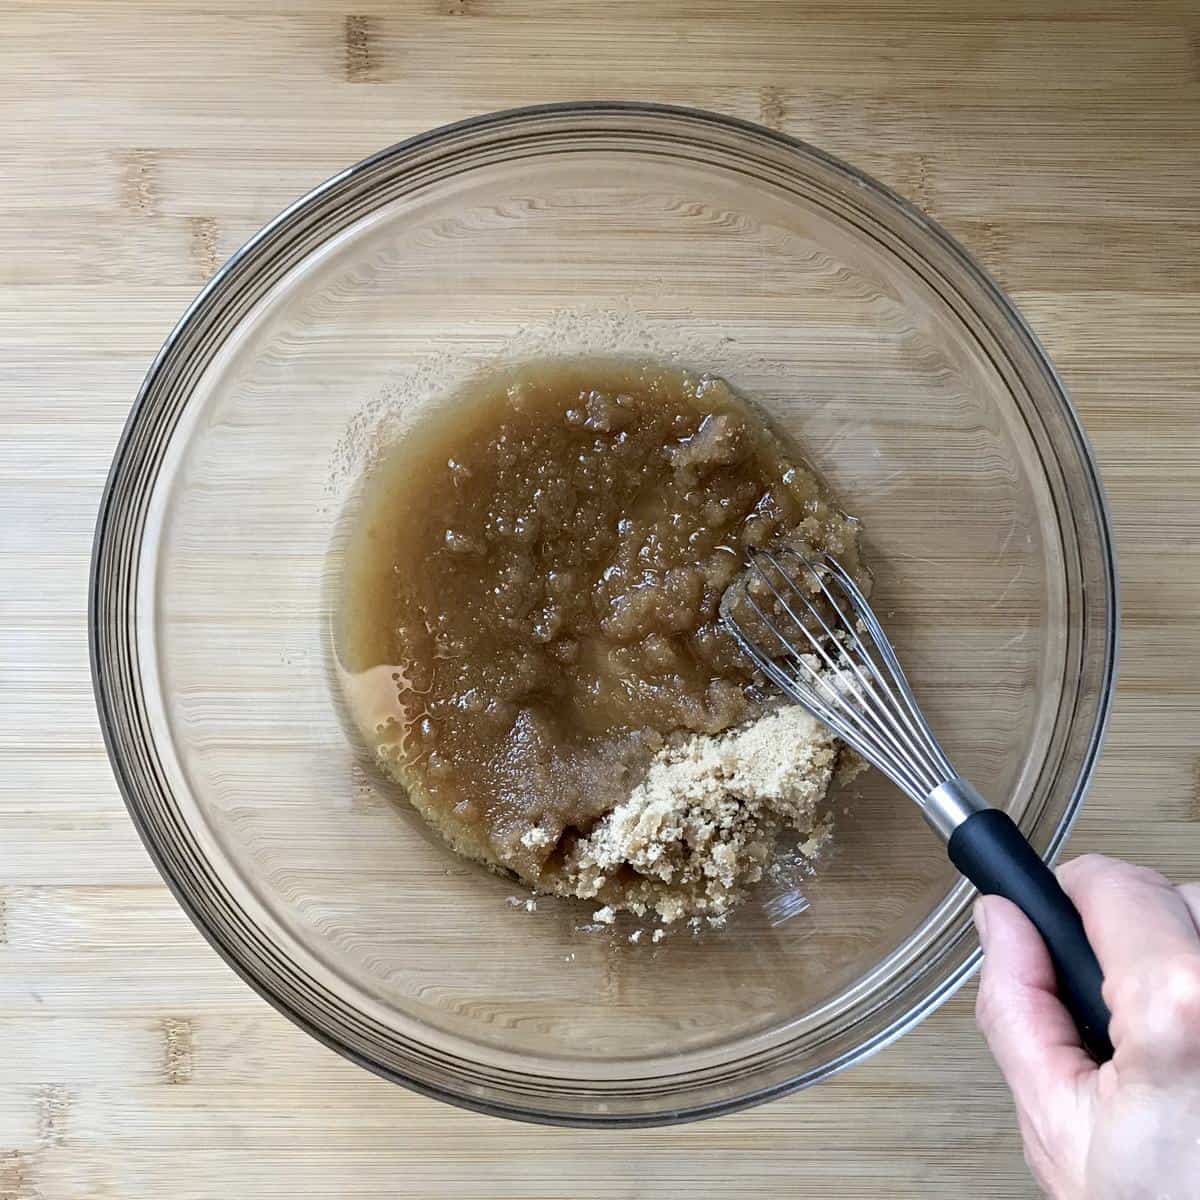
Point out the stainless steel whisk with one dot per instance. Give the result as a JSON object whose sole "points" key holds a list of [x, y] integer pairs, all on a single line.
{"points": [[817, 639]]}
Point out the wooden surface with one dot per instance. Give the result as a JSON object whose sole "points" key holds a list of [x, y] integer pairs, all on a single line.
{"points": [[140, 144]]}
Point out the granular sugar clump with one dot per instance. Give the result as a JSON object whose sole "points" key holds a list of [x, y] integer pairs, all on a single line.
{"points": [[702, 824]]}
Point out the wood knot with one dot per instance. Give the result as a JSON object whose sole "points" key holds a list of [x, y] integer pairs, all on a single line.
{"points": [[53, 1104], [139, 182], [177, 1049], [356, 33], [771, 107], [202, 247], [14, 1176]]}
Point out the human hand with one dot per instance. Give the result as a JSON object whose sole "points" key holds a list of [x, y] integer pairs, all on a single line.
{"points": [[1129, 1129]]}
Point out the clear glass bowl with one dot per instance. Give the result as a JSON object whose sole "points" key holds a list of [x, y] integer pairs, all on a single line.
{"points": [[863, 329]]}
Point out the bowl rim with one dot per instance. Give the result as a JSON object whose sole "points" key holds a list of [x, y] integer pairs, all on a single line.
{"points": [[962, 260]]}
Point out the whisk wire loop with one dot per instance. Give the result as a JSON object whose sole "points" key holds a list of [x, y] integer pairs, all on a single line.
{"points": [[844, 642], [838, 663]]}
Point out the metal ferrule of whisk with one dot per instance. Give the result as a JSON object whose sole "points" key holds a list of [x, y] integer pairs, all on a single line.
{"points": [[808, 627]]}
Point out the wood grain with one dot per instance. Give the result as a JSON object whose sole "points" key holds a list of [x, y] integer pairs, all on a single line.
{"points": [[143, 142]]}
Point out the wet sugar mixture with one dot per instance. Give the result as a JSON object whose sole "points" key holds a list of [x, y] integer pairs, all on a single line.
{"points": [[530, 642]]}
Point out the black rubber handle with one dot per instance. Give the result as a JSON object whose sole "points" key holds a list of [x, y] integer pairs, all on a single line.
{"points": [[994, 855]]}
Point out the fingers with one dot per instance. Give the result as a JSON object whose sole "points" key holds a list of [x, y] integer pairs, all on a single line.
{"points": [[1028, 1030], [1132, 914], [1146, 937]]}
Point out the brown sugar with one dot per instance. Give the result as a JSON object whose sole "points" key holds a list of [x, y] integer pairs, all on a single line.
{"points": [[702, 824]]}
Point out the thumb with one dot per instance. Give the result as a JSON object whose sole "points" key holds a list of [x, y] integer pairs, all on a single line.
{"points": [[1031, 1035]]}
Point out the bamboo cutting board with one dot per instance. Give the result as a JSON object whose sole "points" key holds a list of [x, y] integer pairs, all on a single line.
{"points": [[141, 143]]}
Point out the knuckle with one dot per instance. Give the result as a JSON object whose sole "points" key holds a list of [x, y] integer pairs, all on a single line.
{"points": [[1161, 1000], [1083, 867], [1101, 868], [1096, 874], [1176, 995]]}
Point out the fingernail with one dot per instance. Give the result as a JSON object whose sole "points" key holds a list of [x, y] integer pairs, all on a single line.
{"points": [[979, 913]]}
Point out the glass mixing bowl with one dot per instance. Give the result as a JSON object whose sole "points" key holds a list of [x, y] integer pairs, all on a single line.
{"points": [[866, 332]]}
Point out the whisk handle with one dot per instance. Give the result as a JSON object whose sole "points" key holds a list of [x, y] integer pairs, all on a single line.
{"points": [[993, 854]]}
